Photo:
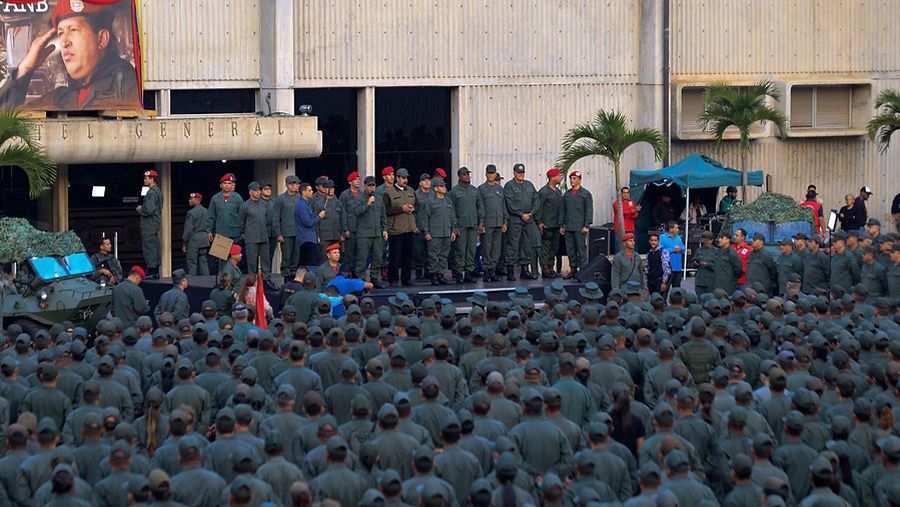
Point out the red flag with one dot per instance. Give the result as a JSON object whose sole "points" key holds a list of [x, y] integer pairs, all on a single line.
{"points": [[260, 320]]}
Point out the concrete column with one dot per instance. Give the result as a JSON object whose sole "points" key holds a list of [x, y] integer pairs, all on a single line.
{"points": [[165, 185], [649, 100], [458, 119], [276, 57], [365, 126], [163, 103], [59, 196]]}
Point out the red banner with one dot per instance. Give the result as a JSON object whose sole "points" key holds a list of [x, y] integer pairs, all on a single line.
{"points": [[70, 55]]}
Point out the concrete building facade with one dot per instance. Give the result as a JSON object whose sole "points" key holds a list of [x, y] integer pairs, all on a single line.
{"points": [[517, 74]]}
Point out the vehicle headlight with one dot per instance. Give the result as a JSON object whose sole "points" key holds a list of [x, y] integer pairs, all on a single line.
{"points": [[43, 295]]}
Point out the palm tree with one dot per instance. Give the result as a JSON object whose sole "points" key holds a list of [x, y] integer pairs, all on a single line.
{"points": [[741, 107], [18, 147], [883, 126], [608, 136]]}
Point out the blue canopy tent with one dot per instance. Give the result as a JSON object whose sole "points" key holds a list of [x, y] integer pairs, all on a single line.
{"points": [[694, 171]]}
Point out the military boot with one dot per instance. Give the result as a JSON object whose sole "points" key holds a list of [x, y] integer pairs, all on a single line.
{"points": [[527, 274], [510, 274]]}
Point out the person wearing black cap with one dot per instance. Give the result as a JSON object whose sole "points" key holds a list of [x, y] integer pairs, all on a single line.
{"points": [[47, 400], [285, 225], [761, 267], [424, 193], [495, 219], [254, 220], [338, 482], [543, 446], [522, 237], [174, 300], [109, 492], [844, 266], [788, 263], [872, 273], [816, 267], [727, 264], [469, 209], [194, 239], [457, 466], [371, 233], [439, 229], [333, 226]]}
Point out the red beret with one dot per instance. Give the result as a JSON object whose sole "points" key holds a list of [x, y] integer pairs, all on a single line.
{"points": [[627, 236], [333, 246], [196, 195], [552, 172], [71, 8], [440, 172], [151, 173], [227, 177], [575, 173], [387, 170], [352, 176], [139, 270], [235, 250]]}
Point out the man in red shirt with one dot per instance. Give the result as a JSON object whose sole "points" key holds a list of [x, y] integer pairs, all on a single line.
{"points": [[739, 244], [631, 211]]}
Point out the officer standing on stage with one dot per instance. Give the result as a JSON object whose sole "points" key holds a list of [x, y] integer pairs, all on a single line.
{"points": [[521, 235], [400, 206], [549, 218], [420, 247], [266, 197], [371, 233], [495, 217], [285, 225], [469, 210], [254, 219], [194, 238], [333, 226], [151, 220], [350, 200], [439, 225], [224, 215], [578, 213]]}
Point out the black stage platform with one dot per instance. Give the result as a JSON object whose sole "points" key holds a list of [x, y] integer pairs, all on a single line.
{"points": [[200, 286]]}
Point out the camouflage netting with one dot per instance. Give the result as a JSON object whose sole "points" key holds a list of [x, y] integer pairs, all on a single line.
{"points": [[19, 241], [769, 207]]}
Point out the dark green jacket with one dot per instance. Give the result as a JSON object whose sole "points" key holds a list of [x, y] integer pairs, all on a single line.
{"points": [[468, 205], [844, 271], [548, 208], [761, 269], [174, 301], [728, 269], [151, 210], [816, 272], [492, 196], [371, 220], [520, 199], [438, 217], [705, 262], [283, 215], [224, 217], [578, 209], [874, 277], [129, 302], [787, 265], [254, 216], [334, 223], [194, 235], [349, 203]]}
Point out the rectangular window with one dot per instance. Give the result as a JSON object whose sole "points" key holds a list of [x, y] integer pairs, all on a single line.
{"points": [[693, 103], [336, 110], [213, 101], [821, 107]]}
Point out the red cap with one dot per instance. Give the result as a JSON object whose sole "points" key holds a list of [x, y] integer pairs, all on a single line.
{"points": [[627, 236], [71, 8], [235, 250], [352, 176], [387, 170], [139, 270], [553, 172], [196, 195], [151, 173], [440, 172], [227, 177], [575, 173], [333, 246]]}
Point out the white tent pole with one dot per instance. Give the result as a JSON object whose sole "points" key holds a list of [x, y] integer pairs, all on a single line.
{"points": [[687, 226]]}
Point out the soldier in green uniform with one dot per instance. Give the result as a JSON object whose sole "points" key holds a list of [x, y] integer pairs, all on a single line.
{"points": [[816, 267], [266, 197], [894, 273], [544, 447], [370, 232], [195, 485], [349, 201], [439, 224], [627, 265], [424, 193], [728, 266], [195, 241], [232, 271], [495, 218], [578, 215], [328, 270], [174, 300], [151, 219], [548, 215], [788, 263], [254, 218], [469, 209], [333, 226], [761, 267], [872, 273], [285, 225], [844, 266], [108, 268], [522, 233], [224, 214], [699, 354], [704, 262], [128, 301]]}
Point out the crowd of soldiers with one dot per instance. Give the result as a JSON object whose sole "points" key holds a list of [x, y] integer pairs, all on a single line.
{"points": [[428, 230], [736, 397]]}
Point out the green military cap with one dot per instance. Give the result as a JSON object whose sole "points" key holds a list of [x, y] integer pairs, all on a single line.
{"points": [[482, 486], [649, 470], [606, 342], [585, 459], [335, 444], [490, 169], [47, 425], [759, 236], [424, 176], [532, 395], [438, 182], [676, 458], [820, 468], [450, 422], [372, 498], [240, 454], [507, 463], [423, 454], [462, 170], [737, 417], [519, 168], [370, 180], [360, 403], [890, 446], [402, 172], [189, 447], [794, 420], [597, 431], [874, 221]]}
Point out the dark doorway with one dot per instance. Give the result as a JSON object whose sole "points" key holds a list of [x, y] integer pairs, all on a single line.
{"points": [[412, 129], [336, 110], [14, 200]]}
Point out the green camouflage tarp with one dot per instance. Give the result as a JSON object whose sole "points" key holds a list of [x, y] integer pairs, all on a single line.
{"points": [[20, 241], [768, 207]]}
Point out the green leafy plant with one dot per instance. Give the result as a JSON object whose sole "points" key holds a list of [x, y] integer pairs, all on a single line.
{"points": [[883, 126], [19, 147]]}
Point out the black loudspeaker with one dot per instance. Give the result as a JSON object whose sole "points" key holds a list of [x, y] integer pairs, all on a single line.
{"points": [[600, 241], [599, 270]]}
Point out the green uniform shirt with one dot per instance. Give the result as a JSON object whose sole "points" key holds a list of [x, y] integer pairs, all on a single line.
{"points": [[350, 203], [283, 215], [254, 217], [129, 302], [371, 220], [151, 210], [704, 261], [468, 205], [194, 234], [174, 301], [548, 209], [816, 272], [787, 265], [520, 199], [494, 202], [844, 271], [874, 277], [334, 223], [438, 217], [727, 270], [761, 269], [224, 217], [578, 209]]}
